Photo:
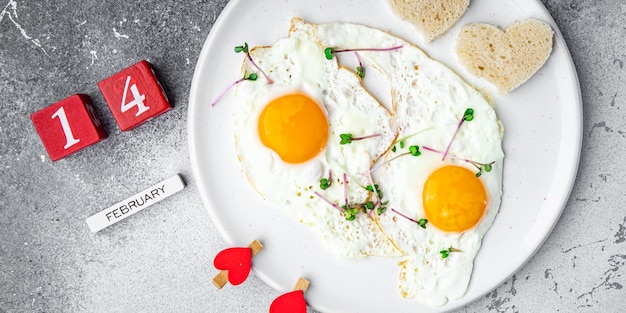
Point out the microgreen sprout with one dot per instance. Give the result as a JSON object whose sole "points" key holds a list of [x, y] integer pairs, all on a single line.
{"points": [[348, 138], [481, 167], [374, 188], [246, 76], [421, 222], [349, 210], [487, 167], [252, 76], [326, 182], [468, 115], [446, 252], [329, 52], [350, 213], [413, 150], [360, 70], [378, 205], [244, 48], [401, 142]]}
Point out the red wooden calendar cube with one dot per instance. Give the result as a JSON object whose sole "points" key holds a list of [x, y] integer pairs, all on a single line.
{"points": [[68, 126], [134, 95]]}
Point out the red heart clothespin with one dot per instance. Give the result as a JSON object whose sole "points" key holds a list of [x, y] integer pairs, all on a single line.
{"points": [[235, 264], [293, 301]]}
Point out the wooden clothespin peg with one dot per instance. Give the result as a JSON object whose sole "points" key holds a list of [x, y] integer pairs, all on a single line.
{"points": [[235, 264], [293, 301]]}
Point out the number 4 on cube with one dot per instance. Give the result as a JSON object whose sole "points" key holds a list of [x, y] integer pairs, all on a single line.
{"points": [[134, 95], [68, 126]]}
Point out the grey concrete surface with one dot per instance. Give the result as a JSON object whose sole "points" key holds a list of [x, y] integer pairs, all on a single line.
{"points": [[162, 260]]}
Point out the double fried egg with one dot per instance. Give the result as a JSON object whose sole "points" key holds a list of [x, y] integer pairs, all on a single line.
{"points": [[439, 171]]}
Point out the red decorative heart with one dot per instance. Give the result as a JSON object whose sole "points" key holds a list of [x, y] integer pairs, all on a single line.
{"points": [[237, 261], [291, 302]]}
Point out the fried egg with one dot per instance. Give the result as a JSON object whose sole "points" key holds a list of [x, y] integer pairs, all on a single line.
{"points": [[429, 101], [287, 137]]}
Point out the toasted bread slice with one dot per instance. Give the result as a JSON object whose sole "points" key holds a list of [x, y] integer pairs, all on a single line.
{"points": [[432, 18]]}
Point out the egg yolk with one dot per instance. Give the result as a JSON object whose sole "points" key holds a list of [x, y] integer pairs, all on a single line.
{"points": [[454, 199], [295, 127]]}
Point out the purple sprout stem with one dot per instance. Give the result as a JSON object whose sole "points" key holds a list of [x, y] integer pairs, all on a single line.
{"points": [[445, 154], [432, 150], [345, 188], [369, 49], [452, 156], [226, 90], [366, 137], [334, 205], [376, 166], [358, 58], [269, 80], [408, 218]]}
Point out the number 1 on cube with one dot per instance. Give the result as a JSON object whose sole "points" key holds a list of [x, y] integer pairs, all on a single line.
{"points": [[69, 137], [79, 126]]}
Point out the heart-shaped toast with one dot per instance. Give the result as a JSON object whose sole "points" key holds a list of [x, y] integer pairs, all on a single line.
{"points": [[237, 261], [506, 58], [432, 18]]}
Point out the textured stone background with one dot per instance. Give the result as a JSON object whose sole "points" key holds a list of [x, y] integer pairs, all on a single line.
{"points": [[49, 262]]}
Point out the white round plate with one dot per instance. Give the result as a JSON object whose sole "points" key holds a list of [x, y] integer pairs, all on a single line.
{"points": [[542, 121]]}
